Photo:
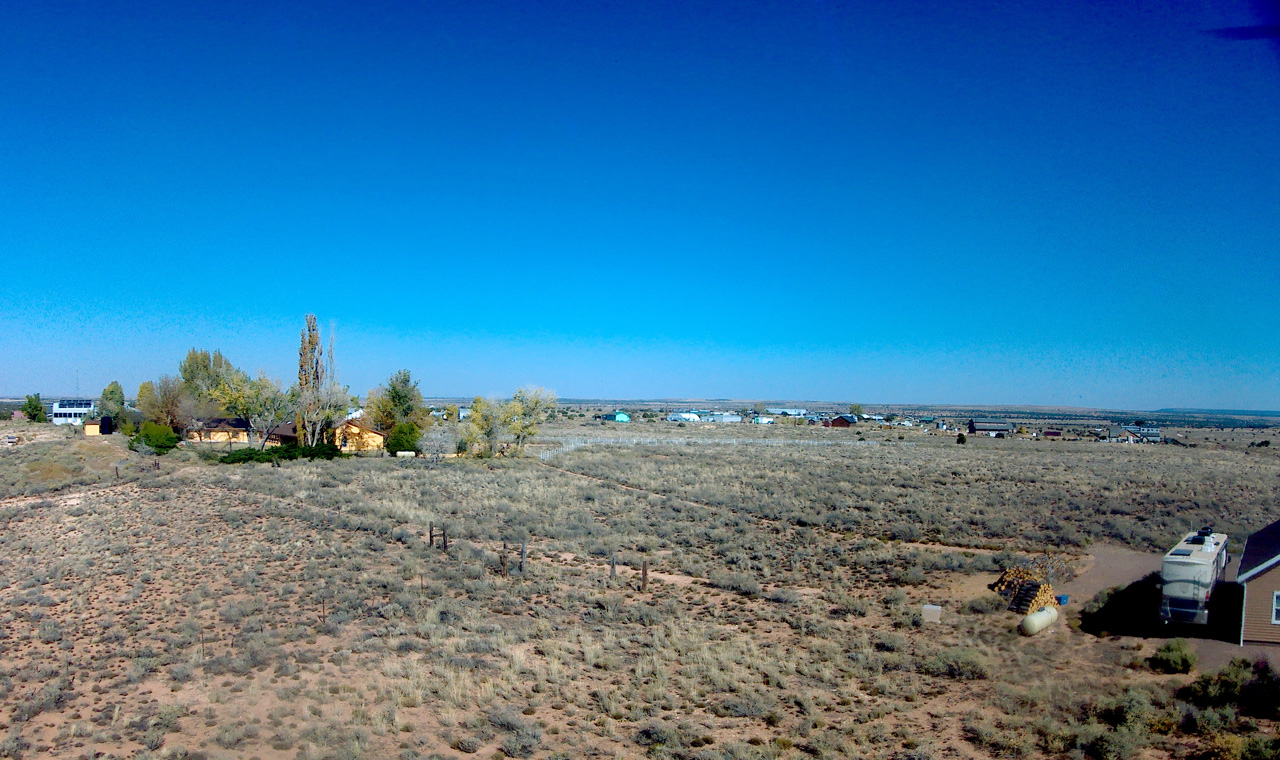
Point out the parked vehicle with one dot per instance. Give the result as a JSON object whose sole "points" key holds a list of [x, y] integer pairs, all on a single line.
{"points": [[1189, 572]]}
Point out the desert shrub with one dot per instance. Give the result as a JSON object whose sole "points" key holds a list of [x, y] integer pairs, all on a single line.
{"points": [[783, 596], [1252, 687], [403, 437], [742, 706], [159, 438], [1118, 744], [1175, 656], [658, 734], [961, 664], [740, 583], [285, 453], [1223, 746], [985, 604]]}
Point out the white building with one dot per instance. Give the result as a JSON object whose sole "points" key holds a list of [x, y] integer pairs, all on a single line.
{"points": [[72, 411], [683, 417]]}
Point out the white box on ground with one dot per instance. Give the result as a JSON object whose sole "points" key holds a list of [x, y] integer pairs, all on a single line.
{"points": [[932, 613]]}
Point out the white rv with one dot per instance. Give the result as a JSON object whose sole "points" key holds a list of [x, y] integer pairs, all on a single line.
{"points": [[1188, 574]]}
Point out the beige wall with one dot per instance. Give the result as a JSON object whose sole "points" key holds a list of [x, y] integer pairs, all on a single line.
{"points": [[92, 429], [1257, 607], [350, 437], [218, 436]]}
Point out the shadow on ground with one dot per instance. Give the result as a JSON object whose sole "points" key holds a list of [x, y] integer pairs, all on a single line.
{"points": [[1134, 610]]}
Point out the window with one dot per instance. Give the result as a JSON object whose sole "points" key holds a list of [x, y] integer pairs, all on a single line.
{"points": [[1275, 608]]}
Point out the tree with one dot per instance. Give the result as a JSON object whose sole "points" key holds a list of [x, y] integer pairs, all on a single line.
{"points": [[404, 437], [759, 408], [261, 402], [855, 410], [451, 412], [203, 372], [111, 402], [526, 409], [320, 400], [162, 402], [34, 409], [484, 426], [397, 402], [961, 438]]}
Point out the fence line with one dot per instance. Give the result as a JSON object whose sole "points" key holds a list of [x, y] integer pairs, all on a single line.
{"points": [[570, 444]]}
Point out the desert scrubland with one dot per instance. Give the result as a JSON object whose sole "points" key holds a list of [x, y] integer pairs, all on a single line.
{"points": [[310, 610]]}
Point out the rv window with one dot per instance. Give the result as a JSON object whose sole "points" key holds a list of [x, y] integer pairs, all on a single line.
{"points": [[1275, 608]]}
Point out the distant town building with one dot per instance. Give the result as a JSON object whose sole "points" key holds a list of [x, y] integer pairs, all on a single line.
{"points": [[780, 412], [683, 417], [72, 411], [762, 421], [990, 427], [842, 421], [722, 417], [614, 417]]}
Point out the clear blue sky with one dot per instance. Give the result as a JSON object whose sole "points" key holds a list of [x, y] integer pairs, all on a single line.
{"points": [[884, 202]]}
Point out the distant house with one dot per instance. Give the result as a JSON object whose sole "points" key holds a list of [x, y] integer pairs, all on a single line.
{"points": [[762, 421], [283, 435], [103, 426], [842, 421], [220, 430], [18, 415], [1120, 435], [683, 417], [614, 417], [1259, 574], [72, 411], [722, 417], [1052, 433], [1145, 433], [357, 435], [782, 412], [990, 427]]}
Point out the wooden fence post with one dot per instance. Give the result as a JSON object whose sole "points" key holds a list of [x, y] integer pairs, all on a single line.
{"points": [[524, 548], [644, 575]]}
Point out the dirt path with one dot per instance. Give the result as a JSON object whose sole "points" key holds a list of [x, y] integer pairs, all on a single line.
{"points": [[1106, 566]]}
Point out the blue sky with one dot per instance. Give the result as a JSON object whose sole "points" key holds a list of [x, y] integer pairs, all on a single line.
{"points": [[809, 200]]}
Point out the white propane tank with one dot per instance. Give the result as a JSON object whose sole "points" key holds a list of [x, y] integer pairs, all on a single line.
{"points": [[1038, 621]]}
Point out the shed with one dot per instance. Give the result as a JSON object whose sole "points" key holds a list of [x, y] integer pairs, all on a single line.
{"points": [[843, 421], [990, 426], [1259, 574]]}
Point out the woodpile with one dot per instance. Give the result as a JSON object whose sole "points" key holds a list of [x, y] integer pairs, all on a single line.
{"points": [[1026, 588]]}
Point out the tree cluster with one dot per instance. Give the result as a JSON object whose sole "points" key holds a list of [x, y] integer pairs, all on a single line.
{"points": [[518, 418]]}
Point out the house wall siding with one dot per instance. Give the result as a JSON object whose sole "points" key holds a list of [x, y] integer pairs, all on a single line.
{"points": [[1257, 608]]}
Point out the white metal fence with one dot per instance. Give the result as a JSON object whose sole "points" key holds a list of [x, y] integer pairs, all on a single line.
{"points": [[569, 444]]}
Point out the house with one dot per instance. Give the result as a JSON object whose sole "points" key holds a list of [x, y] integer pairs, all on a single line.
{"points": [[1120, 435], [103, 426], [220, 430], [355, 434], [782, 412], [1145, 433], [72, 411], [722, 417], [1259, 574], [283, 435], [842, 421], [683, 417], [762, 421], [614, 417], [990, 427]]}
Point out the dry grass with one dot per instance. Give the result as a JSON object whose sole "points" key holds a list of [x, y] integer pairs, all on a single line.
{"points": [[299, 612]]}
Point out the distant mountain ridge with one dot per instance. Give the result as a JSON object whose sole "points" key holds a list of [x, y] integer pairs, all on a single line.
{"points": [[1232, 412]]}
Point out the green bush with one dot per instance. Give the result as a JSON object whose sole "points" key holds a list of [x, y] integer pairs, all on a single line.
{"points": [[961, 664], [283, 453], [404, 437], [159, 437], [1174, 657]]}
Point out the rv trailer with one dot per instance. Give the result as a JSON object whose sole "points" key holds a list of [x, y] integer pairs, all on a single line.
{"points": [[1188, 575]]}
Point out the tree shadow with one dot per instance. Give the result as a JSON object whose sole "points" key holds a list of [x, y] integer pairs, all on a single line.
{"points": [[1134, 610]]}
